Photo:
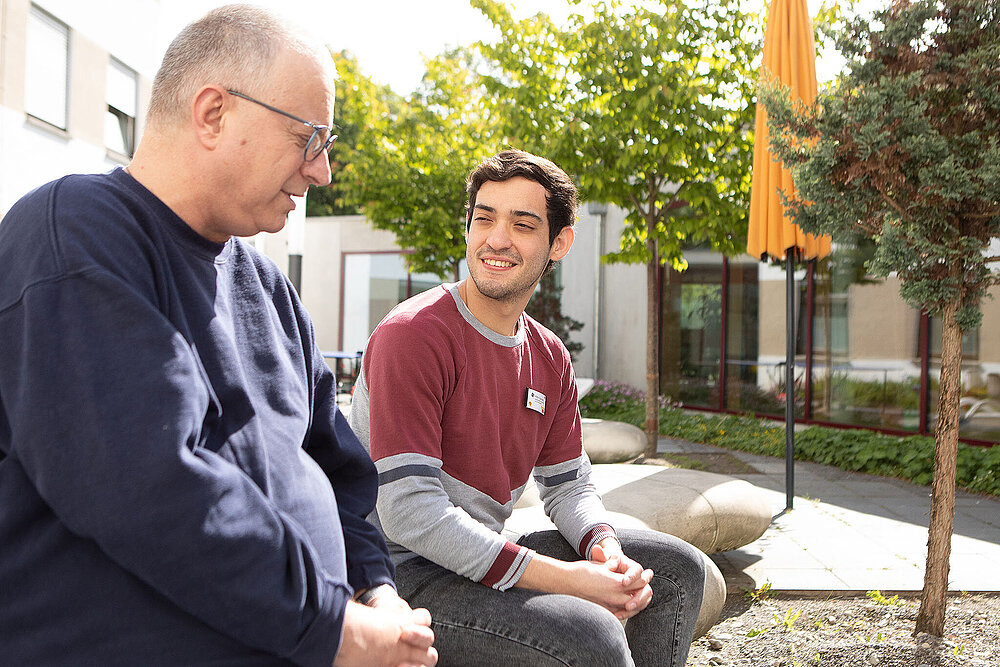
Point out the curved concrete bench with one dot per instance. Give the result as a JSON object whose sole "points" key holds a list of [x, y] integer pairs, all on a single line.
{"points": [[711, 511], [611, 441]]}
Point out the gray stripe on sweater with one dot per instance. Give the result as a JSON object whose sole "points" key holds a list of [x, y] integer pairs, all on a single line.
{"points": [[411, 470], [553, 480]]}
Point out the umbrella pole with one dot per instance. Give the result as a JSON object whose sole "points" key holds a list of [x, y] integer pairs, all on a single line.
{"points": [[789, 378]]}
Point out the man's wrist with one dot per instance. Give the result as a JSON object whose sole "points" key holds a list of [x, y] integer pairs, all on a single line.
{"points": [[368, 596]]}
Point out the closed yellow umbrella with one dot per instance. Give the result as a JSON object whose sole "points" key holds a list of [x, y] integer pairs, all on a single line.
{"points": [[789, 57]]}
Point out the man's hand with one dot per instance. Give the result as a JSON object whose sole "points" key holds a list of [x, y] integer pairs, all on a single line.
{"points": [[617, 583], [386, 635], [636, 579], [389, 601]]}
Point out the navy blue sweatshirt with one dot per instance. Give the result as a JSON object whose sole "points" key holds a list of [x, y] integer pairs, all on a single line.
{"points": [[177, 485]]}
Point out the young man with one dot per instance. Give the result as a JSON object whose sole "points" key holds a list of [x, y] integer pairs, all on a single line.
{"points": [[462, 399], [177, 486]]}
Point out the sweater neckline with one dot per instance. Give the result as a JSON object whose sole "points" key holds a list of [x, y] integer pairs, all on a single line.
{"points": [[175, 225], [482, 329]]}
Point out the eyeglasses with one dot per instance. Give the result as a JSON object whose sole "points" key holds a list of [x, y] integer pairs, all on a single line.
{"points": [[320, 140]]}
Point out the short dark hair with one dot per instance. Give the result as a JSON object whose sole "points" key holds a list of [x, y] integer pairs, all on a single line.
{"points": [[560, 193]]}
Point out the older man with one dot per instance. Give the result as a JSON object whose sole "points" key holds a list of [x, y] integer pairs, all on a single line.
{"points": [[177, 485]]}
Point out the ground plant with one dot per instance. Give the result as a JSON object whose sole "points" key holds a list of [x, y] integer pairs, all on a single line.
{"points": [[845, 630], [910, 458]]}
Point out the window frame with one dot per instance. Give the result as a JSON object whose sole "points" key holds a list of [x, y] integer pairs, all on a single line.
{"points": [[126, 123], [34, 111]]}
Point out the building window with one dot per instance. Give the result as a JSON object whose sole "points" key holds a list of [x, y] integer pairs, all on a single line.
{"points": [[119, 121], [970, 342], [374, 283], [46, 94]]}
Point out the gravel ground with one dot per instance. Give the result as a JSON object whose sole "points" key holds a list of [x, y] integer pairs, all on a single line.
{"points": [[786, 631]]}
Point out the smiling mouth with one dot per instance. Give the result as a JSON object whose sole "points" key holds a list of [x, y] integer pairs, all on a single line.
{"points": [[498, 263]]}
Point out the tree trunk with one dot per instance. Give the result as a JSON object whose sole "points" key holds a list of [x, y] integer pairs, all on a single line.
{"points": [[930, 618], [652, 349]]}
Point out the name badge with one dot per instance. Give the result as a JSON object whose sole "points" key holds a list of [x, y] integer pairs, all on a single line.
{"points": [[536, 401]]}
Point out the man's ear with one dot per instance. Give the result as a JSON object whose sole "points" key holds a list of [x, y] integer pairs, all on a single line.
{"points": [[562, 243], [208, 114]]}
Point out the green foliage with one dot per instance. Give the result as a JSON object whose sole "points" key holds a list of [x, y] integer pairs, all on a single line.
{"points": [[546, 307], [910, 458], [355, 96], [650, 109], [614, 401], [759, 594], [406, 169], [788, 622], [879, 599], [905, 149]]}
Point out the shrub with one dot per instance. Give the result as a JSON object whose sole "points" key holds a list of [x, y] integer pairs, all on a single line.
{"points": [[910, 457]]}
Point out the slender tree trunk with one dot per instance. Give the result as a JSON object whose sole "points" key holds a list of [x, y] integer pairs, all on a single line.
{"points": [[930, 618], [652, 349]]}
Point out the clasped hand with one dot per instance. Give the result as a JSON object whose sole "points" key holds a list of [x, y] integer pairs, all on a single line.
{"points": [[389, 633], [615, 581]]}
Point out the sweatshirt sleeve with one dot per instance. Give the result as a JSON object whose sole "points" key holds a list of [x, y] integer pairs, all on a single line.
{"points": [[111, 418], [337, 450], [408, 377], [562, 474]]}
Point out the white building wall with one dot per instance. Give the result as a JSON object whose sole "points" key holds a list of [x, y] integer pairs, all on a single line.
{"points": [[579, 274], [621, 310], [32, 153]]}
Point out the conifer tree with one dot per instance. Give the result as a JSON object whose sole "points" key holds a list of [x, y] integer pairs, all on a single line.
{"points": [[905, 149]]}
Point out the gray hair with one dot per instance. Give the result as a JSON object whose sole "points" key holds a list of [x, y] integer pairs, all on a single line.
{"points": [[233, 46]]}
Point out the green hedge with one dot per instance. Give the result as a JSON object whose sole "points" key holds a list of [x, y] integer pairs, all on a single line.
{"points": [[910, 458]]}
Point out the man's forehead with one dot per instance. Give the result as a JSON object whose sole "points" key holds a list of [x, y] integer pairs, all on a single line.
{"points": [[514, 194]]}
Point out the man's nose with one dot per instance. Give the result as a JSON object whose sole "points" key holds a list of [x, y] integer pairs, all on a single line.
{"points": [[499, 237], [317, 171]]}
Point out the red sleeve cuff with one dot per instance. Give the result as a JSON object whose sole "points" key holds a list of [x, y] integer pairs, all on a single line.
{"points": [[593, 536], [507, 567]]}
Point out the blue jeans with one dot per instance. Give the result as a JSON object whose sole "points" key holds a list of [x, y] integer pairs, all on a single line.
{"points": [[477, 626]]}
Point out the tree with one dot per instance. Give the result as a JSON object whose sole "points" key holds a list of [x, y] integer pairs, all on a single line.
{"points": [[407, 168], [404, 164], [651, 111], [358, 102], [546, 307], [905, 149]]}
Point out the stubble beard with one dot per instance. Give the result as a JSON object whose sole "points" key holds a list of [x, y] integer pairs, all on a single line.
{"points": [[505, 291]]}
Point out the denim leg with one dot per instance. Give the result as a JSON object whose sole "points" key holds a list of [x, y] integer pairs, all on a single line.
{"points": [[476, 625], [661, 634]]}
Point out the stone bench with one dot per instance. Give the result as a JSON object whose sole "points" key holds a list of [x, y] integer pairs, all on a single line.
{"points": [[710, 511]]}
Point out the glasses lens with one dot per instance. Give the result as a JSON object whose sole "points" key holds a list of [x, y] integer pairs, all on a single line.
{"points": [[318, 142]]}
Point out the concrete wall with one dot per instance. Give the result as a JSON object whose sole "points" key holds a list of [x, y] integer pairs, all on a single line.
{"points": [[326, 240], [621, 314], [881, 324]]}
